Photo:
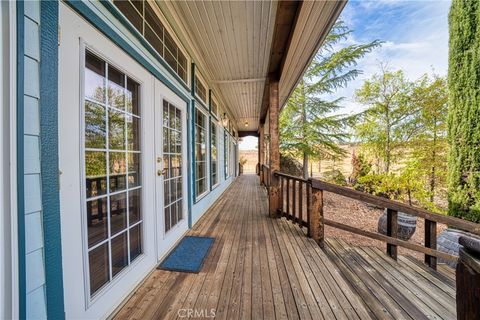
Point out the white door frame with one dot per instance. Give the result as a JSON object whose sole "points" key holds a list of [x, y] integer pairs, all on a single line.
{"points": [[9, 291], [166, 240], [78, 303]]}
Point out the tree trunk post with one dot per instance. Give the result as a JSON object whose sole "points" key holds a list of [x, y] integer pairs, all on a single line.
{"points": [[261, 151], [316, 227], [274, 110]]}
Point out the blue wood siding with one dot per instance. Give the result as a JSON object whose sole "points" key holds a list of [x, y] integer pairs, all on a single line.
{"points": [[34, 240]]}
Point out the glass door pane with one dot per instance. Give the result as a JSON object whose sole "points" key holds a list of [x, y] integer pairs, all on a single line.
{"points": [[172, 164]]}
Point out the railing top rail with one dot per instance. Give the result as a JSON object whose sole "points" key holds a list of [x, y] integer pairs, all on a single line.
{"points": [[280, 174], [396, 205]]}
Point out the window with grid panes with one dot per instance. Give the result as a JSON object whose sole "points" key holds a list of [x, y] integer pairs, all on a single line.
{"points": [[142, 16], [200, 89], [214, 107], [112, 170], [214, 153], [226, 159], [200, 153]]}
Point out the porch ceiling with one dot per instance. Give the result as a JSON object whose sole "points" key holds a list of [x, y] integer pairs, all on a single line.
{"points": [[234, 44]]}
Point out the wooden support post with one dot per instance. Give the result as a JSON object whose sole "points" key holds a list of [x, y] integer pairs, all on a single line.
{"points": [[316, 226], [261, 151], [273, 111], [431, 242], [392, 229], [468, 280]]}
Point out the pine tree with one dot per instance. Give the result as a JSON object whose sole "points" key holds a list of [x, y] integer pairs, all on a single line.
{"points": [[464, 110], [310, 126]]}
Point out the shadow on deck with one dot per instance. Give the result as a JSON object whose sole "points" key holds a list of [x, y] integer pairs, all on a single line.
{"points": [[267, 268]]}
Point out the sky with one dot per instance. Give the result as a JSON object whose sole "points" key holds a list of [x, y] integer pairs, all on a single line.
{"points": [[415, 36]]}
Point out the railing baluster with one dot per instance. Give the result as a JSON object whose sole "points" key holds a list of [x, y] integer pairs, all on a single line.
{"points": [[294, 209], [309, 206], [431, 242], [288, 197], [300, 201], [392, 229], [281, 196]]}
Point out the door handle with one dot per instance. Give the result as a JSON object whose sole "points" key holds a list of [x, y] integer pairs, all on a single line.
{"points": [[161, 172]]}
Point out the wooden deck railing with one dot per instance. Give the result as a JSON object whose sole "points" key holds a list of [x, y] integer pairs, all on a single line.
{"points": [[294, 198], [302, 202]]}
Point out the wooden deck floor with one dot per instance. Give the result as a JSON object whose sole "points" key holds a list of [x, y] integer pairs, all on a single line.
{"points": [[267, 268]]}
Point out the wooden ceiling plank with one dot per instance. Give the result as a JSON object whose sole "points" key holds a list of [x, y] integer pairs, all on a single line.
{"points": [[324, 10], [309, 10], [219, 54], [203, 34], [217, 25]]}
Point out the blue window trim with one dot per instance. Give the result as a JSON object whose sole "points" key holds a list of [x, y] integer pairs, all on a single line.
{"points": [[190, 131], [192, 141], [124, 21], [209, 98], [225, 141], [49, 158], [203, 104], [22, 289]]}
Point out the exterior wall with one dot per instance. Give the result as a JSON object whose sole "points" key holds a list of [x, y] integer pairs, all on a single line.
{"points": [[34, 221], [34, 242]]}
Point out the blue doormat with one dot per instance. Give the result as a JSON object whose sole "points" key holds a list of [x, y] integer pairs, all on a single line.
{"points": [[188, 255]]}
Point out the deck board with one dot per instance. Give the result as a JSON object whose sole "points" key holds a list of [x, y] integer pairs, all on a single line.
{"points": [[260, 267]]}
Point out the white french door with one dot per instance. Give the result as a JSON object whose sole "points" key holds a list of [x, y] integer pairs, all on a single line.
{"points": [[171, 168], [107, 180], [123, 164]]}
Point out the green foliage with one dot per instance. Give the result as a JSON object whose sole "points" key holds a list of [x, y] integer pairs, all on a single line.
{"points": [[309, 127], [360, 167], [429, 146], [389, 120], [404, 130], [335, 176], [464, 110], [290, 165], [403, 187], [380, 184]]}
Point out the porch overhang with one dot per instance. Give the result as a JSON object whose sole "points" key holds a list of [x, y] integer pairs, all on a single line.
{"points": [[239, 45]]}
